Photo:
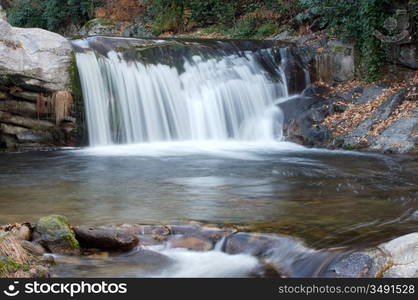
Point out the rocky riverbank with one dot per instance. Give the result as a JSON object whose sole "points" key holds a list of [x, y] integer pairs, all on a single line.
{"points": [[339, 112], [28, 250]]}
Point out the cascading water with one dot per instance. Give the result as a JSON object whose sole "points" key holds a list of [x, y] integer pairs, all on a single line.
{"points": [[203, 95]]}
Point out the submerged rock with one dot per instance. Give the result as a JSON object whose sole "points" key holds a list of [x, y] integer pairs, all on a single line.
{"points": [[92, 237], [54, 233], [191, 243]]}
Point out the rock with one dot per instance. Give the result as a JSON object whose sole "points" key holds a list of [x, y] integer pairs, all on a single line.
{"points": [[400, 137], [35, 57], [282, 36], [294, 69], [252, 244], [302, 119], [98, 26], [335, 63], [408, 56], [403, 253], [145, 257], [25, 95], [92, 237], [33, 248], [25, 122], [191, 243], [137, 31], [11, 129], [369, 263], [54, 233]]}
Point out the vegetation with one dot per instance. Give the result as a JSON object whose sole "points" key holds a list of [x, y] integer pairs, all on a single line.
{"points": [[350, 20]]}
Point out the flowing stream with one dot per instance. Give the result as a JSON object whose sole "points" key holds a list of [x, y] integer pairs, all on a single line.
{"points": [[190, 131]]}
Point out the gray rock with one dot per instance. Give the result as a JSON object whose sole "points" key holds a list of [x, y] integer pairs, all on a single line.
{"points": [[302, 116], [383, 112], [33, 248], [408, 56], [252, 244], [35, 137], [35, 56], [400, 137], [137, 31], [98, 26], [92, 237]]}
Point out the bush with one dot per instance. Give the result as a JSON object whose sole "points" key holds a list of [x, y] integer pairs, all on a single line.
{"points": [[49, 14]]}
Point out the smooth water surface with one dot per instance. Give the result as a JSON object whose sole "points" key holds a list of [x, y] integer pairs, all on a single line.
{"points": [[327, 198]]}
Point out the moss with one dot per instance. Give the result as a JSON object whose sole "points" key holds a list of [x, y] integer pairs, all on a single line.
{"points": [[8, 265], [266, 30], [100, 21], [57, 227], [338, 49]]}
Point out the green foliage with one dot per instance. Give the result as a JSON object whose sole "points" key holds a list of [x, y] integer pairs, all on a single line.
{"points": [[355, 21], [49, 14], [266, 30]]}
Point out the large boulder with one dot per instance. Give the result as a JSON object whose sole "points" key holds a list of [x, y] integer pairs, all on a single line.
{"points": [[35, 57], [54, 233]]}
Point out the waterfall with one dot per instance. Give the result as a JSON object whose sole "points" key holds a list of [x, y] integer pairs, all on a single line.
{"points": [[199, 92]]}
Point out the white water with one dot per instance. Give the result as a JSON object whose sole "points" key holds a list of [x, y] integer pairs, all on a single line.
{"points": [[218, 99]]}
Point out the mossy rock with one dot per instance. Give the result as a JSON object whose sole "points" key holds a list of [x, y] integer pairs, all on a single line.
{"points": [[54, 233], [7, 266]]}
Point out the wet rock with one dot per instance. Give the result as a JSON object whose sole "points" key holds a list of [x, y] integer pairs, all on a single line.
{"points": [[35, 137], [354, 265], [302, 120], [54, 233], [191, 243], [244, 243], [92, 237], [145, 257]]}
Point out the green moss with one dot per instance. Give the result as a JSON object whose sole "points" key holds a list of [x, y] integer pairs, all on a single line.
{"points": [[52, 224], [57, 226], [8, 265], [266, 30], [100, 21], [338, 49]]}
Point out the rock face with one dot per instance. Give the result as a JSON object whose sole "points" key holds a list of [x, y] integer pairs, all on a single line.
{"points": [[107, 27], [35, 97], [37, 57], [55, 234], [327, 60]]}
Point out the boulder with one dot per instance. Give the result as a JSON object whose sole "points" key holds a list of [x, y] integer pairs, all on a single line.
{"points": [[33, 248], [98, 26], [35, 57], [54, 233], [408, 56], [92, 237], [400, 137], [302, 118]]}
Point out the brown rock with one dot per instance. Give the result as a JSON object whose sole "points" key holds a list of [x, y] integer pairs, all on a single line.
{"points": [[191, 243], [92, 237]]}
